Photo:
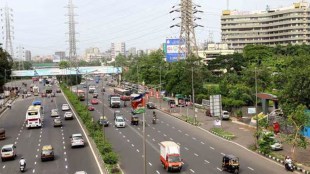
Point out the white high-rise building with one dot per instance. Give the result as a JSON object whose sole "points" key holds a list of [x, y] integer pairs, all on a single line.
{"points": [[27, 55], [117, 48], [92, 54]]}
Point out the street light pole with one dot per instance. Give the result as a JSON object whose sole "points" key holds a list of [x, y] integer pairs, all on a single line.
{"points": [[160, 88], [193, 95], [256, 106]]}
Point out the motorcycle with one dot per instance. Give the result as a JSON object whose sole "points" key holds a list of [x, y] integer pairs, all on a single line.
{"points": [[22, 168], [289, 167], [154, 120]]}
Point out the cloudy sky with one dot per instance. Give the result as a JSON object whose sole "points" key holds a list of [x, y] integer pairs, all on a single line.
{"points": [[40, 25]]}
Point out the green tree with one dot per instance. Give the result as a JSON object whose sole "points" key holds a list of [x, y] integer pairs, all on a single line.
{"points": [[63, 64], [6, 63], [298, 118]]}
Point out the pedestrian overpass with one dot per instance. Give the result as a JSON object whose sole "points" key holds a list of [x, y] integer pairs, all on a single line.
{"points": [[67, 71]]}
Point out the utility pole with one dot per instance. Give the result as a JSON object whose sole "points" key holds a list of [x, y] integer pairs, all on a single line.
{"points": [[187, 33], [7, 30]]}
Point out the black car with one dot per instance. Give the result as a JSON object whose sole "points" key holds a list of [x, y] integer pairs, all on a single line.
{"points": [[150, 105], [58, 90], [95, 95]]}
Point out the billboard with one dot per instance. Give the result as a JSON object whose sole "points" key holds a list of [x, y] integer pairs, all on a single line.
{"points": [[173, 49]]}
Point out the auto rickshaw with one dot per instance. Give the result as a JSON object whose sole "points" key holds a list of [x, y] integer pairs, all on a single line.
{"points": [[134, 120], [230, 163]]}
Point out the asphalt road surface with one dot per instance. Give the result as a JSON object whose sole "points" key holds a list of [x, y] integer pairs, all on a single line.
{"points": [[29, 142], [201, 151]]}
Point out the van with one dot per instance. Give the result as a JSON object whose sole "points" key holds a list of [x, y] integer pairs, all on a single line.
{"points": [[8, 152]]}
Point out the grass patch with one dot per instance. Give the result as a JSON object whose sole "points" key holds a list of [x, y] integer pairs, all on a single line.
{"points": [[222, 133], [191, 120]]}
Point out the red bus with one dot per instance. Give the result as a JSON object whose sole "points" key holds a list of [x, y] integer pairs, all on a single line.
{"points": [[125, 94]]}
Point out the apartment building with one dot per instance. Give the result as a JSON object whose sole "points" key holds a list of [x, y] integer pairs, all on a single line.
{"points": [[285, 25], [118, 48]]}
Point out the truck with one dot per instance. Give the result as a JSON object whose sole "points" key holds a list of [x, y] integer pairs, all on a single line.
{"points": [[91, 89], [81, 95], [35, 90], [114, 101], [170, 156]]}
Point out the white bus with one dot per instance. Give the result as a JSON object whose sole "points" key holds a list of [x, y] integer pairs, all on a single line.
{"points": [[35, 90], [33, 117]]}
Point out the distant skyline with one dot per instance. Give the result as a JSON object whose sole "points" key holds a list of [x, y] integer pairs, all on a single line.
{"points": [[40, 25]]}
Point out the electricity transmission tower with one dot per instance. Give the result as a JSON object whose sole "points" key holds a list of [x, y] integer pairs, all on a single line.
{"points": [[72, 38], [7, 29], [20, 57], [187, 34]]}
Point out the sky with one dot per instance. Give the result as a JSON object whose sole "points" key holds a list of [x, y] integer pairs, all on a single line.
{"points": [[41, 25]]}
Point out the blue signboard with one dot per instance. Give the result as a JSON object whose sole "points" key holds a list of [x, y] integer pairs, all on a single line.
{"points": [[173, 50]]}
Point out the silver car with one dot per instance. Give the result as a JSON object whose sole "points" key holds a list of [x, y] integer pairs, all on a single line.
{"points": [[77, 140]]}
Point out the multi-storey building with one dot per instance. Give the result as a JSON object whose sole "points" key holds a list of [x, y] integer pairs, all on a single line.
{"points": [[92, 54], [27, 55], [213, 50], [286, 25], [117, 48]]}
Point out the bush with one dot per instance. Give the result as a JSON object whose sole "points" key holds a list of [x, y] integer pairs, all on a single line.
{"points": [[110, 158], [107, 148]]}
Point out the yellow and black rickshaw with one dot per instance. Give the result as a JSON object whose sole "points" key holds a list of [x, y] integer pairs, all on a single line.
{"points": [[230, 163]]}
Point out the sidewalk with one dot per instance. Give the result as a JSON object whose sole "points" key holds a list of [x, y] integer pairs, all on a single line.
{"points": [[244, 133]]}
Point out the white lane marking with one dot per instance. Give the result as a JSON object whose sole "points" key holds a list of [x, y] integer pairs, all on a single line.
{"points": [[132, 145], [65, 153], [162, 122], [40, 140], [34, 170], [38, 150], [66, 166], [17, 138], [63, 138], [15, 142], [207, 161], [157, 172], [138, 150], [158, 131], [202, 142], [148, 135], [65, 159], [223, 154], [171, 139], [194, 138], [128, 140], [251, 168], [150, 164], [40, 136], [212, 148], [36, 156], [3, 166], [124, 136], [186, 134], [165, 135], [185, 148], [173, 127], [20, 130], [18, 134], [167, 124], [219, 169], [39, 144], [120, 132], [153, 139], [63, 142], [64, 147], [192, 170], [35, 163], [179, 130]]}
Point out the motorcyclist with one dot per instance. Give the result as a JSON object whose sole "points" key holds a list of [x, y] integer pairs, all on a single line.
{"points": [[154, 117], [288, 163], [22, 162]]}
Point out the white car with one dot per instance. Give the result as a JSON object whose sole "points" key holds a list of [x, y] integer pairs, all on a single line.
{"points": [[119, 121], [277, 145], [65, 107], [54, 113], [68, 116], [225, 115], [8, 152], [28, 94], [77, 140]]}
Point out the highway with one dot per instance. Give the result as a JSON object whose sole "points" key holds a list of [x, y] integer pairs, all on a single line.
{"points": [[201, 151], [29, 142]]}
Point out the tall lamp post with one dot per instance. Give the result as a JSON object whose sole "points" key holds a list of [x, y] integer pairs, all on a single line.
{"points": [[160, 87], [257, 127]]}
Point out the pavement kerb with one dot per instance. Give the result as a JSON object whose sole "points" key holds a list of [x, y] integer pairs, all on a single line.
{"points": [[299, 169]]}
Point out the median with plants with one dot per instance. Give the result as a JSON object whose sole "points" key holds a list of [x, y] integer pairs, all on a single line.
{"points": [[95, 131], [222, 133]]}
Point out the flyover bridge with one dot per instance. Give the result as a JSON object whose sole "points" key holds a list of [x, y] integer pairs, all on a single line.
{"points": [[67, 71]]}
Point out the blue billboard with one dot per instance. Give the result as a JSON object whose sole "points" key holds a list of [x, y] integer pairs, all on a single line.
{"points": [[173, 50]]}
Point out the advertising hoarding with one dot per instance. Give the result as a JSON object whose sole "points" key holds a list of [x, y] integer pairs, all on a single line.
{"points": [[173, 49]]}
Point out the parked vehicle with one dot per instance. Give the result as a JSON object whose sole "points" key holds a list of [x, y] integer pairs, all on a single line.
{"points": [[170, 156], [225, 115], [230, 163]]}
